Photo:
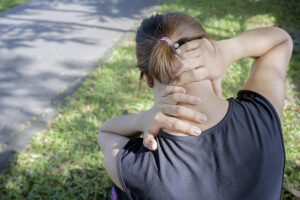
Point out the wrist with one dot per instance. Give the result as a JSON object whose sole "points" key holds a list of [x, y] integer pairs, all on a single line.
{"points": [[227, 50], [139, 121]]}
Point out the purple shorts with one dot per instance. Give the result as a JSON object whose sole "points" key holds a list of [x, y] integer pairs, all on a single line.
{"points": [[113, 193]]}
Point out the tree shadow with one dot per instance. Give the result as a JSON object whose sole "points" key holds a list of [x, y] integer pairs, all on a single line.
{"points": [[35, 66], [43, 182], [61, 21], [66, 162]]}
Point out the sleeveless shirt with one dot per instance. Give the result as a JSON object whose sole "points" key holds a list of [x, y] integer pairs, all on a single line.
{"points": [[240, 158]]}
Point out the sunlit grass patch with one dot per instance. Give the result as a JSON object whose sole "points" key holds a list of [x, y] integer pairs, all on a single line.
{"points": [[7, 4]]}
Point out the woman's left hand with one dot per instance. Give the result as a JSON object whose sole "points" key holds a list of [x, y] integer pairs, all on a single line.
{"points": [[166, 114]]}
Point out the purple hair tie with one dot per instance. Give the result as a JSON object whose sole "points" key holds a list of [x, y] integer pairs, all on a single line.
{"points": [[167, 40], [174, 46]]}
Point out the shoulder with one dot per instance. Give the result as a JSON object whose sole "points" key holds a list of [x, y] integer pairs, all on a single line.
{"points": [[249, 96], [256, 107], [135, 164], [133, 154]]}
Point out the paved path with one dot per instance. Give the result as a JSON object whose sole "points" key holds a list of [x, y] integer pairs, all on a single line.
{"points": [[46, 48]]}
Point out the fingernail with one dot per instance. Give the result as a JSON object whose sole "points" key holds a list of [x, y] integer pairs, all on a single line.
{"points": [[202, 118], [181, 90], [196, 100], [197, 131], [150, 145]]}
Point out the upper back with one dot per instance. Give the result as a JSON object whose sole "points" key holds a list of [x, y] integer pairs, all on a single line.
{"points": [[242, 157]]}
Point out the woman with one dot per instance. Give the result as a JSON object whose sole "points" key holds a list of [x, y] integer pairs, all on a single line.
{"points": [[240, 152]]}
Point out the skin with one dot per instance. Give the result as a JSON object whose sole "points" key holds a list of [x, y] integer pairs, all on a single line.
{"points": [[177, 110]]}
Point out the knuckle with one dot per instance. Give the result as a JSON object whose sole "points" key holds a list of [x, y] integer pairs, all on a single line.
{"points": [[194, 74], [197, 43], [169, 99], [184, 55], [160, 107], [175, 97], [185, 127], [157, 117], [175, 125], [168, 89], [198, 51], [187, 45], [180, 110]]}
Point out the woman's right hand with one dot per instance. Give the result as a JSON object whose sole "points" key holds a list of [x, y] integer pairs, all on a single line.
{"points": [[168, 114]]}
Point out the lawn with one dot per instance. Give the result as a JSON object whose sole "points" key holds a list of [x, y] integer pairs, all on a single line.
{"points": [[7, 4], [65, 162]]}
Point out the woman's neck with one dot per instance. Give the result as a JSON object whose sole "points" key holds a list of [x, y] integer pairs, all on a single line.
{"points": [[213, 107]]}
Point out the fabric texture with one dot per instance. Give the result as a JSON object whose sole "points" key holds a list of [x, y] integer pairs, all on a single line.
{"points": [[242, 157]]}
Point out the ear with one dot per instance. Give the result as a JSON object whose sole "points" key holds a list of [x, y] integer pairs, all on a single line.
{"points": [[149, 81]]}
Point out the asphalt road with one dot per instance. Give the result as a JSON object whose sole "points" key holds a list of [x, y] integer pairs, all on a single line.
{"points": [[47, 48]]}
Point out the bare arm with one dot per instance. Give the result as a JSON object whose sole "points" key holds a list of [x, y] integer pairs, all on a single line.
{"points": [[126, 125], [162, 115], [271, 47], [115, 132], [252, 43]]}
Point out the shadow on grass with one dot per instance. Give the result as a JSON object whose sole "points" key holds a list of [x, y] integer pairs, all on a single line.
{"points": [[32, 69], [53, 182], [65, 162]]}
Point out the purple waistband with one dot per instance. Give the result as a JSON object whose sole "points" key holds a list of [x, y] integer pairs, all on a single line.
{"points": [[113, 194]]}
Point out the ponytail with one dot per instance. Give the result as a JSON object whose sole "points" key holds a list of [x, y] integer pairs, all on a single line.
{"points": [[163, 62]]}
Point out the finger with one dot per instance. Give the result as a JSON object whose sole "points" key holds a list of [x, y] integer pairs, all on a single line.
{"points": [[181, 98], [190, 45], [195, 75], [180, 125], [189, 65], [149, 141], [195, 53], [171, 90], [217, 86], [183, 112]]}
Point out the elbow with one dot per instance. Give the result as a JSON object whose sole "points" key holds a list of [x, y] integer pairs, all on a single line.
{"points": [[101, 136], [290, 44], [100, 139], [287, 37], [105, 127]]}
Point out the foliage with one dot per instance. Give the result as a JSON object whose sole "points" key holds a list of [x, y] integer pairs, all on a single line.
{"points": [[7, 4]]}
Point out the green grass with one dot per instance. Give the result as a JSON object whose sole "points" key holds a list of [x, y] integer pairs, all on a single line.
{"points": [[65, 161], [7, 4]]}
